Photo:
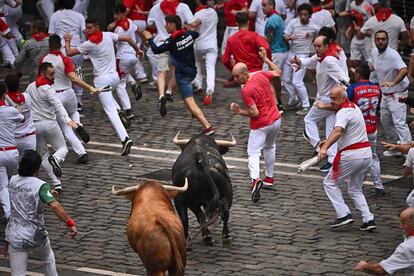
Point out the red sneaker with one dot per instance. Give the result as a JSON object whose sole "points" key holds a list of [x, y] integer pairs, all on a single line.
{"points": [[268, 182], [208, 99]]}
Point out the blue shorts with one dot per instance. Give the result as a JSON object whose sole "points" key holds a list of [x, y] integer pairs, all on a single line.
{"points": [[185, 86]]}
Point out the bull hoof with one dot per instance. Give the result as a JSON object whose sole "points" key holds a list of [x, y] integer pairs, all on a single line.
{"points": [[226, 238], [208, 240]]}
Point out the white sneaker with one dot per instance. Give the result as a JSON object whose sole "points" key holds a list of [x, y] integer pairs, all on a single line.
{"points": [[390, 153]]}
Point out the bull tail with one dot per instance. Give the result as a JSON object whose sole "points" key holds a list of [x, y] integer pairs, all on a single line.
{"points": [[177, 259]]}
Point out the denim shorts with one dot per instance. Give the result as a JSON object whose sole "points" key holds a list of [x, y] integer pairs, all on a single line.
{"points": [[185, 86]]}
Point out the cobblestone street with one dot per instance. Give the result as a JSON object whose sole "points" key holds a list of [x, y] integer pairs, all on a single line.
{"points": [[285, 233]]}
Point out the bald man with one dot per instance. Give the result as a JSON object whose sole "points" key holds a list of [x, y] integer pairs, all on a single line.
{"points": [[352, 161], [403, 256], [265, 120], [328, 74]]}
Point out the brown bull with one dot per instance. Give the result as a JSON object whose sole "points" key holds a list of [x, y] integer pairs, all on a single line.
{"points": [[154, 230]]}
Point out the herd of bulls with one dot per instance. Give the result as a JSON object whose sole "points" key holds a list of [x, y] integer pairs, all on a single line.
{"points": [[201, 183]]}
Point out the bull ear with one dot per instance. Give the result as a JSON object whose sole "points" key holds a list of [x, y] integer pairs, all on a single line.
{"points": [[223, 149], [130, 195], [172, 194]]}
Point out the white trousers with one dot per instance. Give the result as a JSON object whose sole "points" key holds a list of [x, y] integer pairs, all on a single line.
{"points": [[14, 15], [153, 61], [410, 199], [375, 165], [279, 59], [8, 163], [228, 32], [81, 6], [126, 67], [314, 116], [25, 143], [6, 52], [394, 118], [46, 8], [18, 259], [48, 132], [293, 82], [353, 171], [361, 48], [211, 59], [109, 103], [262, 138], [139, 69], [68, 99]]}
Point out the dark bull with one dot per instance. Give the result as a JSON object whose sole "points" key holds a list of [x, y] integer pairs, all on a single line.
{"points": [[209, 182]]}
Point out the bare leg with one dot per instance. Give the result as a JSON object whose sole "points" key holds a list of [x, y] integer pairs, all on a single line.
{"points": [[196, 111], [162, 75]]}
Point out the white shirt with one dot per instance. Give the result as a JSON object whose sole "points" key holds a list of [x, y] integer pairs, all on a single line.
{"points": [[207, 29], [157, 17], [45, 103], [328, 74], [9, 117], [124, 50], [261, 19], [67, 21], [10, 3], [412, 23], [62, 65], [386, 66], [102, 55], [304, 36], [402, 258], [290, 14], [352, 122], [300, 2], [323, 18], [393, 26], [27, 126]]}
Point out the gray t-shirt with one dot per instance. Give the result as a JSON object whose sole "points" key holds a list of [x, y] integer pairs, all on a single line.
{"points": [[402, 258]]}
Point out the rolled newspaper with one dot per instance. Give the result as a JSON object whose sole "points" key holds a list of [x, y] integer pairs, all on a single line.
{"points": [[307, 164]]}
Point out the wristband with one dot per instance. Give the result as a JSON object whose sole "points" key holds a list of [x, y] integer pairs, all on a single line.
{"points": [[70, 223]]}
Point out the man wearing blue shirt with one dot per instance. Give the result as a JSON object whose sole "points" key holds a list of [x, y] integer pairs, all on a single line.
{"points": [[274, 30], [180, 44]]}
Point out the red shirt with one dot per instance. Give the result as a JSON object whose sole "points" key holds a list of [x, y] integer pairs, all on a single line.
{"points": [[144, 5], [233, 5], [244, 47], [258, 91]]}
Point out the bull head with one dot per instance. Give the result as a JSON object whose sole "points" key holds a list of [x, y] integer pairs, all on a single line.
{"points": [[223, 143], [166, 187]]}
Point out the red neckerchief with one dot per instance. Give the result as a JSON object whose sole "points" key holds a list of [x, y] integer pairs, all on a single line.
{"points": [[330, 52], [96, 37], [272, 12], [333, 46], [40, 80], [69, 67], [383, 14], [2, 102], [411, 234], [124, 24], [177, 33], [202, 7], [39, 36], [360, 145], [16, 97], [169, 7], [316, 9]]}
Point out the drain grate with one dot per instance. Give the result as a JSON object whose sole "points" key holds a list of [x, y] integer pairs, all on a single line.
{"points": [[160, 175], [403, 183]]}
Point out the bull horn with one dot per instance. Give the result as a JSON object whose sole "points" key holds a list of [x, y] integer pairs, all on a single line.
{"points": [[178, 189], [180, 141], [125, 190], [231, 143]]}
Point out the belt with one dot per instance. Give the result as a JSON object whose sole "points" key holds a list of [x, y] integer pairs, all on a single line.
{"points": [[60, 91], [27, 134], [390, 94], [7, 148]]}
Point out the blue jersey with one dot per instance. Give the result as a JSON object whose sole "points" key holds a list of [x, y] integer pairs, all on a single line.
{"points": [[181, 47]]}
